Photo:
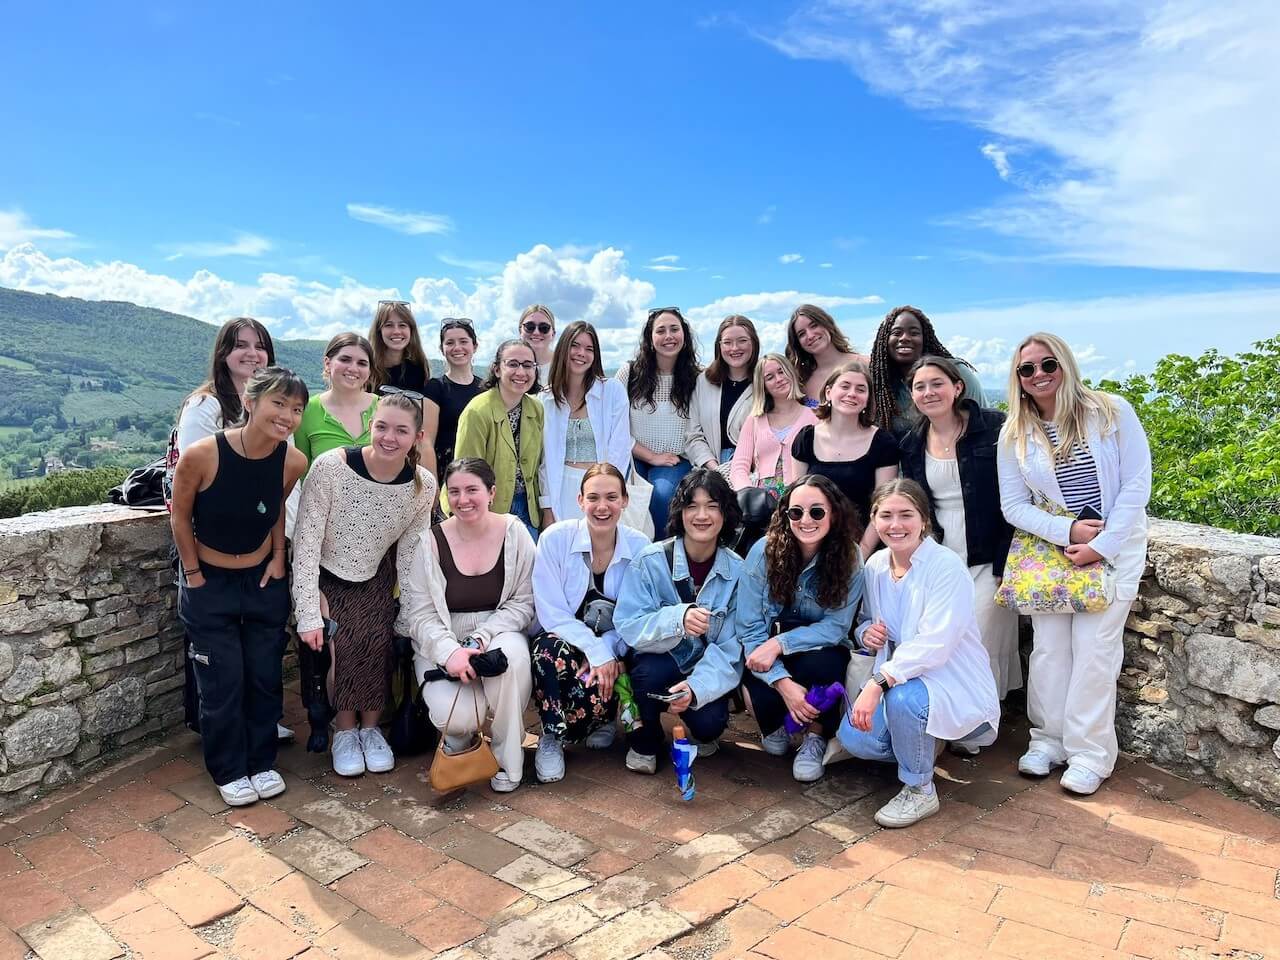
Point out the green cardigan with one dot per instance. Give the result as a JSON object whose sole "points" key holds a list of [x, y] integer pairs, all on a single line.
{"points": [[485, 432]]}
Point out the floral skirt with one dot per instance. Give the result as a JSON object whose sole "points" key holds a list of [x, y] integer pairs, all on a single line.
{"points": [[570, 710]]}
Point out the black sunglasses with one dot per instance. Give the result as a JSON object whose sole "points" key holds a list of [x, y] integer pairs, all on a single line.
{"points": [[659, 310], [796, 514], [1047, 365], [403, 303], [531, 327], [389, 391], [455, 323]]}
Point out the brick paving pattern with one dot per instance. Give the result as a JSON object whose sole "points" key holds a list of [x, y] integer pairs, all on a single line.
{"points": [[146, 862]]}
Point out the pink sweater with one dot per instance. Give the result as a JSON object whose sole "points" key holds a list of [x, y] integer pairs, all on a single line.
{"points": [[759, 449]]}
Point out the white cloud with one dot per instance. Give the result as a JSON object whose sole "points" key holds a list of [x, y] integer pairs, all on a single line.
{"points": [[475, 266], [244, 245], [667, 263], [666, 258], [16, 227], [826, 266], [766, 217], [1148, 128], [401, 221], [999, 159], [791, 258]]}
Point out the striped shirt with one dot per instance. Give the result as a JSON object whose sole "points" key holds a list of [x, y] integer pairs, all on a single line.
{"points": [[1077, 475]]}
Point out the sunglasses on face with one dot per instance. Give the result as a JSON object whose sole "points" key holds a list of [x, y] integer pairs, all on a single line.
{"points": [[530, 327], [1047, 365], [796, 514], [390, 391]]}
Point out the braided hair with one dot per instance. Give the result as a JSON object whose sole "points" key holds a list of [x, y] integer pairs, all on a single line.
{"points": [[885, 375]]}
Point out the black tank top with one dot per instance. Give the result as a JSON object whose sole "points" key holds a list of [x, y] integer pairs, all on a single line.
{"points": [[237, 511]]}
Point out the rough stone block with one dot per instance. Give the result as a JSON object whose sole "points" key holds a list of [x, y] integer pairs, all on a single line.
{"points": [[24, 681], [110, 641], [93, 626], [74, 691], [20, 618], [142, 650], [7, 659], [22, 778], [115, 707], [112, 604], [42, 734], [104, 661], [1268, 717], [54, 639], [63, 667], [1240, 670]]}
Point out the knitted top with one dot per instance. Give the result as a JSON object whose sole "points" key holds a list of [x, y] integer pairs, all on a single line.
{"points": [[346, 524], [661, 428]]}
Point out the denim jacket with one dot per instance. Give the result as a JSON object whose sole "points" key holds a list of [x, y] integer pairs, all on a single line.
{"points": [[757, 609], [650, 617]]}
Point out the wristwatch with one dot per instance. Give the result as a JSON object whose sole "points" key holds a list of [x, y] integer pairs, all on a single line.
{"points": [[878, 679]]}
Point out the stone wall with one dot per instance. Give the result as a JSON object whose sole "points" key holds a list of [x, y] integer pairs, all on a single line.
{"points": [[90, 649], [1200, 691]]}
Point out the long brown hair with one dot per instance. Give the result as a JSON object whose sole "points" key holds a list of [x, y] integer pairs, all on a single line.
{"points": [[642, 378], [559, 374], [867, 415], [837, 559], [352, 339], [219, 384], [804, 362], [412, 353], [718, 370], [400, 401]]}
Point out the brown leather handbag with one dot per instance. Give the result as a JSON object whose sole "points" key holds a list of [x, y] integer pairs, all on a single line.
{"points": [[473, 764]]}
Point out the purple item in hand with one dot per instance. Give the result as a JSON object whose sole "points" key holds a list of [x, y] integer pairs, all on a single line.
{"points": [[823, 696]]}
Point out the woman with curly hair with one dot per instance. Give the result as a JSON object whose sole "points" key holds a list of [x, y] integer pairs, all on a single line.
{"points": [[798, 593], [905, 335], [660, 381], [815, 347]]}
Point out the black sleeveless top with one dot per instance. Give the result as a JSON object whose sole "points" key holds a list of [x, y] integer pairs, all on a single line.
{"points": [[237, 511], [470, 593]]}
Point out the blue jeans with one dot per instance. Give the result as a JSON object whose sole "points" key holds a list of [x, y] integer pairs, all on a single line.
{"points": [[898, 733], [520, 510], [664, 480]]}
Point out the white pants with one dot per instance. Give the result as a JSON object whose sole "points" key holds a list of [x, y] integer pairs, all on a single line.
{"points": [[999, 626], [1071, 687], [503, 697], [570, 484]]}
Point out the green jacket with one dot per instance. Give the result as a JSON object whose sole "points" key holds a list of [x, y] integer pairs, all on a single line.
{"points": [[485, 432]]}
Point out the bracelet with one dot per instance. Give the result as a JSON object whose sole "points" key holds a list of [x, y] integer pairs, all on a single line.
{"points": [[186, 574]]}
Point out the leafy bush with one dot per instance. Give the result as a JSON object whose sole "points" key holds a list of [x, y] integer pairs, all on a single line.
{"points": [[70, 488], [1214, 427]]}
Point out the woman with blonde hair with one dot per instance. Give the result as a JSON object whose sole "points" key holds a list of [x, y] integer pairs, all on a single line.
{"points": [[1075, 470], [722, 396], [586, 421], [816, 346], [777, 412], [537, 328]]}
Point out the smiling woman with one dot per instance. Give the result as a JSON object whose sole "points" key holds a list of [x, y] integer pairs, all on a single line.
{"points": [[341, 415]]}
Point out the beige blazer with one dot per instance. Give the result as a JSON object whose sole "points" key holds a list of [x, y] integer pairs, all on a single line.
{"points": [[702, 438]]}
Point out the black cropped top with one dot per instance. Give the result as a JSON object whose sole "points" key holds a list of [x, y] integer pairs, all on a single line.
{"points": [[236, 512]]}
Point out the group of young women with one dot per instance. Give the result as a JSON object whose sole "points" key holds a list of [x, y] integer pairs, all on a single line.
{"points": [[897, 491]]}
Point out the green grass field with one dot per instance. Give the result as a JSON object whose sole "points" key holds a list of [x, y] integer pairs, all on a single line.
{"points": [[13, 363], [10, 431], [88, 405]]}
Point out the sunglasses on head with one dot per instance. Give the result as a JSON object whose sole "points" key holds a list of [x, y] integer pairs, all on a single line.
{"points": [[389, 391], [532, 327], [456, 323], [796, 514], [660, 310], [1047, 365], [402, 303]]}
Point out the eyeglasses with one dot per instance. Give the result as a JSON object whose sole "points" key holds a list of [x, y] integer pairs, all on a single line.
{"points": [[514, 365], [660, 310], [389, 391], [543, 328], [1047, 365], [796, 514]]}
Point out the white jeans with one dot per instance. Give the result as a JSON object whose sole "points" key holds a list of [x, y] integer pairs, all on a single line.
{"points": [[504, 697], [1071, 687]]}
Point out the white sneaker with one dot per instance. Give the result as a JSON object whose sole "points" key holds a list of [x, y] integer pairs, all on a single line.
{"points": [[911, 805], [601, 738], [642, 762], [348, 758], [963, 748], [268, 784], [283, 733], [378, 757], [1079, 780], [501, 783], [238, 793], [777, 743], [548, 762], [807, 766], [1036, 763]]}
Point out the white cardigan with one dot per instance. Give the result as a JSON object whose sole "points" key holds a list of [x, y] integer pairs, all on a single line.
{"points": [[1123, 461], [937, 638], [561, 576], [610, 416], [702, 440], [425, 615]]}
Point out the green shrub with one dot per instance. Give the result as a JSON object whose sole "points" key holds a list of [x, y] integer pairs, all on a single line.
{"points": [[70, 488]]}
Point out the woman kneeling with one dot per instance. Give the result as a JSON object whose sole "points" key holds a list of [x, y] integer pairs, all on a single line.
{"points": [[576, 579], [800, 587], [931, 670], [471, 590]]}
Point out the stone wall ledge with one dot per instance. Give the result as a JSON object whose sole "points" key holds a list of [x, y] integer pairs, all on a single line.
{"points": [[91, 650]]}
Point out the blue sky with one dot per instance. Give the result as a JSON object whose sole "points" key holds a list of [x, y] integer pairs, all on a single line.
{"points": [[1105, 171]]}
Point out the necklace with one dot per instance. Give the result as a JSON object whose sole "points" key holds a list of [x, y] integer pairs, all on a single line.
{"points": [[951, 441]]}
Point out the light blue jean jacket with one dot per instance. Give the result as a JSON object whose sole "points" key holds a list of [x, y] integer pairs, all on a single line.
{"points": [[756, 609], [650, 617]]}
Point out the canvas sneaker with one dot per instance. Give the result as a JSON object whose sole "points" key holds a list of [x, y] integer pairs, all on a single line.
{"points": [[776, 744], [501, 783], [807, 766], [1036, 763], [708, 749], [283, 733], [641, 762], [378, 757], [268, 784], [548, 762], [911, 805], [348, 758], [238, 793]]}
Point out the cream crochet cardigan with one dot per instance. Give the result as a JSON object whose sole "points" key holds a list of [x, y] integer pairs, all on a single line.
{"points": [[425, 614], [346, 524]]}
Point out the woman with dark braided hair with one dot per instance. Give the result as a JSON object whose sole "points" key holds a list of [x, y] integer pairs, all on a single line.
{"points": [[816, 346], [797, 595], [905, 335]]}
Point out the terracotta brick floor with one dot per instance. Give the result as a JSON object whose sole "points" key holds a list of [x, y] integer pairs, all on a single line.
{"points": [[146, 862]]}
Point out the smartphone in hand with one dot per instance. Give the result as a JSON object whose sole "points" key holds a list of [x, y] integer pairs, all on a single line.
{"points": [[667, 697], [1088, 513]]}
